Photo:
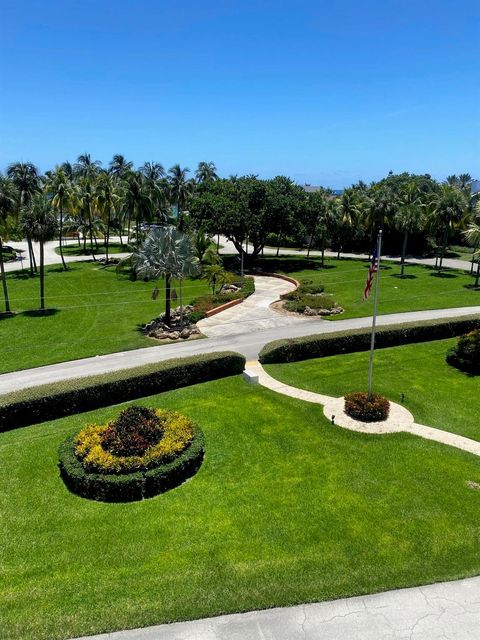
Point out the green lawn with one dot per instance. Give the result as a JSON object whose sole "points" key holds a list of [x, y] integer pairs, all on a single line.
{"points": [[73, 249], [285, 509], [93, 311], [436, 393], [423, 288]]}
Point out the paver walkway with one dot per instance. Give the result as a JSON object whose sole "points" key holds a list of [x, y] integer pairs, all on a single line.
{"points": [[254, 313], [400, 419], [446, 610]]}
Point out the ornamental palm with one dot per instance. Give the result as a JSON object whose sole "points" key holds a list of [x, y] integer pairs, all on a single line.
{"points": [[472, 235], [40, 220], [152, 170], [119, 165], [108, 199], [206, 171], [166, 253], [8, 200], [86, 167], [60, 189], [137, 201]]}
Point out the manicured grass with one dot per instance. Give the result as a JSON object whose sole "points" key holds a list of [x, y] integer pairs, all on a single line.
{"points": [[437, 394], [423, 288], [92, 311], [73, 249], [285, 509]]}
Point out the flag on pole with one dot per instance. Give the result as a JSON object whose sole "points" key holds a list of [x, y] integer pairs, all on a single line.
{"points": [[372, 270]]}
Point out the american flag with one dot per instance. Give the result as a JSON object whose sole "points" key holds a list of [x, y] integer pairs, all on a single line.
{"points": [[372, 270]]}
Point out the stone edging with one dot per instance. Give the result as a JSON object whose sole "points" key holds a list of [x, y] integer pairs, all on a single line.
{"points": [[282, 277], [223, 307]]}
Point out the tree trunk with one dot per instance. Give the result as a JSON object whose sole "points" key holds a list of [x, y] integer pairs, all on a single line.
{"points": [[128, 228], [477, 276], [475, 249], [107, 235], [181, 302], [42, 277], [323, 251], [444, 246], [4, 280], [60, 234], [31, 256], [279, 242], [310, 242], [218, 244], [404, 251], [90, 228], [168, 296]]}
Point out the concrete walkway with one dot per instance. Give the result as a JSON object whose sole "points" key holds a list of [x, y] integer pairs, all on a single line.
{"points": [[400, 419], [254, 314], [434, 612]]}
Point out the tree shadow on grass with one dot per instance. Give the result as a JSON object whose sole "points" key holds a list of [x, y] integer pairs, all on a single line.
{"points": [[443, 274], [406, 276], [40, 313], [289, 265], [5, 315], [471, 287]]}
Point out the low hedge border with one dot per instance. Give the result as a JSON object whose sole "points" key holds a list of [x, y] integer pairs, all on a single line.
{"points": [[59, 399], [330, 344], [129, 487]]}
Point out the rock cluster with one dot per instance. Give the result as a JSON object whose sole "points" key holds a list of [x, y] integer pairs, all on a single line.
{"points": [[230, 288], [157, 328], [322, 312]]}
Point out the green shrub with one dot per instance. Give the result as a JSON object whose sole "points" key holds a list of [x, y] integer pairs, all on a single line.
{"points": [[56, 400], [306, 288], [131, 486], [466, 354], [318, 346], [321, 301], [208, 302]]}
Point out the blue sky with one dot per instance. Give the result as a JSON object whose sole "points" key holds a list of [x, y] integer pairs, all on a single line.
{"points": [[326, 92]]}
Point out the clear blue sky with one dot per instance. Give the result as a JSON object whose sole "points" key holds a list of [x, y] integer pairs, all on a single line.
{"points": [[326, 92]]}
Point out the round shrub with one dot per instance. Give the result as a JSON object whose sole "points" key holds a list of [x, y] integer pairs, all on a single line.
{"points": [[466, 354], [133, 432], [361, 407], [91, 470]]}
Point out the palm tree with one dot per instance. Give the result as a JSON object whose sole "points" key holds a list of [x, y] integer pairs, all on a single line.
{"points": [[41, 221], [119, 165], [108, 199], [86, 204], [137, 201], [8, 204], [206, 171], [26, 179], [472, 235], [152, 170], [59, 188], [409, 218], [162, 255], [180, 186], [447, 209], [86, 167]]}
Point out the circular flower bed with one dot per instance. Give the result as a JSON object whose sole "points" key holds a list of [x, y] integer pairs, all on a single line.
{"points": [[367, 409], [466, 354], [142, 453]]}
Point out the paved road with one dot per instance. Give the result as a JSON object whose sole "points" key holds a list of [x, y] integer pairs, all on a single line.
{"points": [[248, 344], [447, 610]]}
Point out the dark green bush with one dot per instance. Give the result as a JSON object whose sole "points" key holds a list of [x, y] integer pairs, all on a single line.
{"points": [[131, 486], [360, 406], [318, 346], [466, 354], [321, 301], [56, 400], [306, 288], [132, 432]]}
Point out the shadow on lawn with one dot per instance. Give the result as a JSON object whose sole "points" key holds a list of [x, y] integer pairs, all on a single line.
{"points": [[406, 276], [443, 274], [289, 265], [39, 313]]}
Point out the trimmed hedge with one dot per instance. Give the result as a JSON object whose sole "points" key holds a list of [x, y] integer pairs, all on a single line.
{"points": [[330, 344], [129, 487], [52, 401]]}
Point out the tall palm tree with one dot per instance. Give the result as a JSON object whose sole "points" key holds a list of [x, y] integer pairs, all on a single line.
{"points": [[26, 178], [472, 235], [86, 199], [137, 201], [409, 218], [41, 221], [447, 209], [152, 170], [179, 186], [86, 167], [163, 255], [60, 189], [8, 207], [206, 171], [108, 197], [119, 165]]}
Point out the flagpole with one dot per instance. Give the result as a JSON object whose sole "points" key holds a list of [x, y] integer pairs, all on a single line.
{"points": [[374, 319]]}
